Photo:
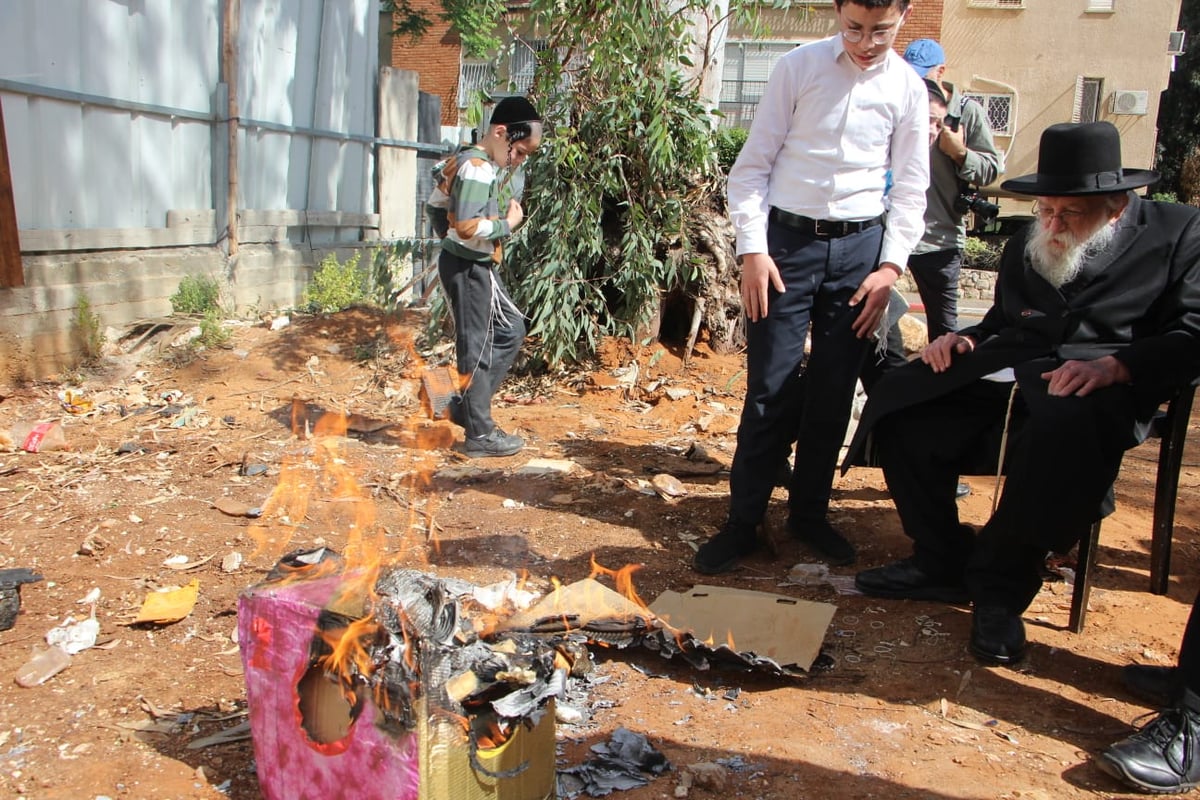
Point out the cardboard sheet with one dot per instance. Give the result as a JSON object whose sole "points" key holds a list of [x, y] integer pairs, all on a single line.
{"points": [[785, 629]]}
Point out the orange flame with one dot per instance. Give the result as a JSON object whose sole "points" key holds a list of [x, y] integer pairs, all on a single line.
{"points": [[622, 579]]}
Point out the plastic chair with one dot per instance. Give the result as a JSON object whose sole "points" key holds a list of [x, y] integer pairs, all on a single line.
{"points": [[1173, 433]]}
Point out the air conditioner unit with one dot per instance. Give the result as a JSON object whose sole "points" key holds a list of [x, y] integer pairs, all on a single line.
{"points": [[1175, 43], [1130, 102]]}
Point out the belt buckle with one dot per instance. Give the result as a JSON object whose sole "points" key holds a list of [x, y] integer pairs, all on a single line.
{"points": [[824, 227]]}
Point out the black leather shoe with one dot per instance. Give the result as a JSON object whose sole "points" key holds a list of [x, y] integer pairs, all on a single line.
{"points": [[1157, 685], [906, 580], [1163, 757], [721, 552], [997, 635], [824, 538]]}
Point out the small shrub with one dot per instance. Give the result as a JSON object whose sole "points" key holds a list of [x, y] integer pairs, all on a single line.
{"points": [[197, 294], [213, 332], [87, 329], [1164, 197], [729, 144], [978, 254], [336, 285]]}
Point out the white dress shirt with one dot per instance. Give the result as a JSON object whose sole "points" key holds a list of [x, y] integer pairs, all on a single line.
{"points": [[824, 136]]}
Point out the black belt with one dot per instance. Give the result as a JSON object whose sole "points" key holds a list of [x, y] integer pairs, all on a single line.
{"points": [[821, 228]]}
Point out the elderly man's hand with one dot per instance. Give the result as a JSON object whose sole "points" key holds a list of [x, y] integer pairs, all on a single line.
{"points": [[1081, 378], [876, 289], [940, 352]]}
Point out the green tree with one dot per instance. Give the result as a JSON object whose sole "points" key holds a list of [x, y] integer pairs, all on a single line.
{"points": [[625, 199], [629, 159], [1179, 114]]}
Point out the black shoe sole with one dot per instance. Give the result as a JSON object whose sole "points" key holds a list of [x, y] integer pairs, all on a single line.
{"points": [[481, 452], [715, 569], [836, 549], [835, 560], [1116, 769], [951, 595], [490, 454], [995, 659]]}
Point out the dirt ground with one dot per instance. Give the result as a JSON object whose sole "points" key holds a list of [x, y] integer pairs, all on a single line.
{"points": [[171, 456]]}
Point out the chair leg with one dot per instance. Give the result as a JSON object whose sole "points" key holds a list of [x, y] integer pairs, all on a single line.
{"points": [[1166, 488], [1083, 578]]}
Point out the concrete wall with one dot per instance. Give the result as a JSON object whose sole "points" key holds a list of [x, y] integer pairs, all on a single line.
{"points": [[37, 333], [973, 284]]}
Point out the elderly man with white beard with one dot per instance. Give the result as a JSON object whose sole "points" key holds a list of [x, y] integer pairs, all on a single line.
{"points": [[1095, 322]]}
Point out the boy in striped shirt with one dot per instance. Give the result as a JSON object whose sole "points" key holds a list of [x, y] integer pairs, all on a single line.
{"points": [[479, 189]]}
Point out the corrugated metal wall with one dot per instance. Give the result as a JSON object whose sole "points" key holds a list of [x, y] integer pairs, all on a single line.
{"points": [[308, 64], [113, 108]]}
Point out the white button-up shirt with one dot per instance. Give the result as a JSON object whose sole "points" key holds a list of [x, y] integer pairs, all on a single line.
{"points": [[824, 137]]}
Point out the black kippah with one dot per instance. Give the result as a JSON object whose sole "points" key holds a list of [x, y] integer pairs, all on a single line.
{"points": [[514, 109]]}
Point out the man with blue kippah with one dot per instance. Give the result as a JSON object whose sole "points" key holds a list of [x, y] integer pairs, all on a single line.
{"points": [[965, 157]]}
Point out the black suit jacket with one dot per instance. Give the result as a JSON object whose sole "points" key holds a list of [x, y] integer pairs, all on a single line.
{"points": [[1139, 301]]}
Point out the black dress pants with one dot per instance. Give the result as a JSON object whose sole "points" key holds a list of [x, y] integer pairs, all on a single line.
{"points": [[819, 275], [1062, 456], [1189, 651]]}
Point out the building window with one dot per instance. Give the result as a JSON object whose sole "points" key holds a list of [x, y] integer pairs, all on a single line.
{"points": [[480, 76], [999, 109], [747, 67], [995, 3], [522, 63], [1088, 92], [1100, 6], [473, 77]]}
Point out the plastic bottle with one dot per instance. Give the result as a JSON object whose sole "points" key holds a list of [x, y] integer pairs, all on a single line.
{"points": [[43, 666], [35, 437]]}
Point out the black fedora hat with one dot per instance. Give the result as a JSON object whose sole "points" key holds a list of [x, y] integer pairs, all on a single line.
{"points": [[1080, 158]]}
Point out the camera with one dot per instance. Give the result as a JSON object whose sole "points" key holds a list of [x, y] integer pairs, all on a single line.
{"points": [[971, 200]]}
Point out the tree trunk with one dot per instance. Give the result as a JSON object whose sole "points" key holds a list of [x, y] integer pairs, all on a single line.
{"points": [[720, 283]]}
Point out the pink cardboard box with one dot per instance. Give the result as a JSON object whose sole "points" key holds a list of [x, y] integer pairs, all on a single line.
{"points": [[307, 745]]}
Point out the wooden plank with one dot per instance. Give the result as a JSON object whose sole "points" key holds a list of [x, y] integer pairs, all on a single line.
{"points": [[36, 241], [312, 219], [188, 227], [262, 234], [229, 67], [11, 273]]}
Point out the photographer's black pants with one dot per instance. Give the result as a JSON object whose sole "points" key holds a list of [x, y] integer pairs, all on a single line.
{"points": [[936, 275]]}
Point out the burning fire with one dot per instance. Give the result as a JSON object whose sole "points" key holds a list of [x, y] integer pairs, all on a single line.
{"points": [[403, 639]]}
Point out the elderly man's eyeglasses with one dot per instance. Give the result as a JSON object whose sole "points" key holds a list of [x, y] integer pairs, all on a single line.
{"points": [[1047, 216], [855, 35]]}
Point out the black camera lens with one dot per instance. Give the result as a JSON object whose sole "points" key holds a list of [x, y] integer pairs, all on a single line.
{"points": [[974, 201]]}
